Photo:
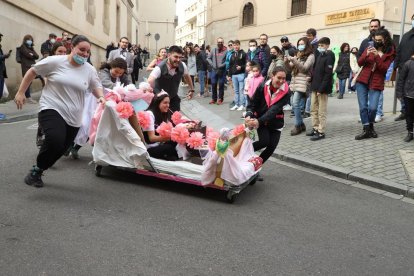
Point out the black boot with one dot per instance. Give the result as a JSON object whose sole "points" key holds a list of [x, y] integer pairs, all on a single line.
{"points": [[364, 135], [401, 117], [372, 131], [409, 137]]}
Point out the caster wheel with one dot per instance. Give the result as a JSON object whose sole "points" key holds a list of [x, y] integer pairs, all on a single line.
{"points": [[253, 181], [98, 170], [231, 197]]}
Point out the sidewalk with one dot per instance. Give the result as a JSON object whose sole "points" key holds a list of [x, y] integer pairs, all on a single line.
{"points": [[384, 163], [29, 111]]}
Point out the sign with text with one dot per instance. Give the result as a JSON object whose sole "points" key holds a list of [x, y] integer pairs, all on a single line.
{"points": [[349, 16]]}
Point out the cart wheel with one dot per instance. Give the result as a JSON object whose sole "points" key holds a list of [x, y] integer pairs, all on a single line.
{"points": [[230, 197], [98, 170], [253, 181]]}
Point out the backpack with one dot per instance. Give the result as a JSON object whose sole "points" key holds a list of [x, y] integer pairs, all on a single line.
{"points": [[18, 57]]}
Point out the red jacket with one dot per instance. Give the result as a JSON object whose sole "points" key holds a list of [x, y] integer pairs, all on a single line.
{"points": [[374, 79]]}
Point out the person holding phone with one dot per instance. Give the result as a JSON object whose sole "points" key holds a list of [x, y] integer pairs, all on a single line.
{"points": [[3, 73], [375, 60]]}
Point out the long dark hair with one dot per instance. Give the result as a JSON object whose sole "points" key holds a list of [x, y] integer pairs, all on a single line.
{"points": [[55, 46], [343, 47], [308, 48], [388, 44], [27, 37], [76, 39], [154, 107]]}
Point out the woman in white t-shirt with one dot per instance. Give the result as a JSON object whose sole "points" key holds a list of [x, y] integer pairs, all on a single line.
{"points": [[157, 146], [61, 103]]}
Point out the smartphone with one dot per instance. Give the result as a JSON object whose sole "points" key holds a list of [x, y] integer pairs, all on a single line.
{"points": [[370, 44], [10, 51], [286, 53]]}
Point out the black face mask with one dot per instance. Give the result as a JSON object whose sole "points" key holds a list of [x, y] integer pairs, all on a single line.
{"points": [[378, 44], [355, 53], [273, 56]]}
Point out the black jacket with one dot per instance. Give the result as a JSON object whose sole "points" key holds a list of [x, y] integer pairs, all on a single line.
{"points": [[322, 79], [201, 61], [364, 45], [405, 50], [271, 117], [343, 68], [405, 82], [237, 59], [3, 73], [28, 56]]}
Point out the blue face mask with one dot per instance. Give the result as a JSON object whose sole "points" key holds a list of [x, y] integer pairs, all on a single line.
{"points": [[321, 50], [79, 60], [301, 47], [29, 42]]}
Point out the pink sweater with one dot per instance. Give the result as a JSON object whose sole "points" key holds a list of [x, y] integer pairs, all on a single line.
{"points": [[253, 84]]}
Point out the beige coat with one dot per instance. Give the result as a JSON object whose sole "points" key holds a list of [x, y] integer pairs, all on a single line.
{"points": [[300, 81]]}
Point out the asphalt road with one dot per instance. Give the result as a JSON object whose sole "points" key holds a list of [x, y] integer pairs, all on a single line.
{"points": [[293, 223]]}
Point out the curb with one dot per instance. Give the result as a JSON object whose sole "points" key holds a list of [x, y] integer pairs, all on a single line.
{"points": [[347, 174], [19, 118]]}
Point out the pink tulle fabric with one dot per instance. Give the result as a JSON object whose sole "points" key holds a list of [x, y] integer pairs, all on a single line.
{"points": [[212, 137], [164, 129], [195, 140], [180, 134], [137, 94], [144, 119], [124, 109], [238, 130], [113, 96]]}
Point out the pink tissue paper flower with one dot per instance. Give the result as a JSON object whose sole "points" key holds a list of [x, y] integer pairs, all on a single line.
{"points": [[180, 134], [238, 130], [124, 109], [164, 129], [112, 96], [176, 117], [212, 139], [144, 119], [195, 140]]}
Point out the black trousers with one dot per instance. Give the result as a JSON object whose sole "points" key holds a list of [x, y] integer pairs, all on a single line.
{"points": [[409, 113], [268, 139], [175, 103], [58, 137], [165, 151]]}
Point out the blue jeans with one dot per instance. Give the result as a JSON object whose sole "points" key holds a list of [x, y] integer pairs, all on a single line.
{"points": [[201, 80], [238, 84], [220, 80], [368, 103], [297, 104], [402, 101], [342, 84], [380, 112], [308, 104]]}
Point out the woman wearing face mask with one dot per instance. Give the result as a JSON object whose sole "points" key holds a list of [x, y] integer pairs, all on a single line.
{"points": [[342, 68], [61, 103], [301, 66], [28, 56], [370, 82], [265, 112], [353, 60], [277, 60]]}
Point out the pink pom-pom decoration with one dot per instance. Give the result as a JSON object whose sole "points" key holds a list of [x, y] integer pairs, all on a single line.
{"points": [[144, 119], [180, 134], [124, 109], [164, 129], [212, 137], [113, 96], [176, 117], [238, 130], [137, 94], [195, 140]]}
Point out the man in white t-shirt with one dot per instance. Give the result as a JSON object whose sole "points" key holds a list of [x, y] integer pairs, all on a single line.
{"points": [[167, 76]]}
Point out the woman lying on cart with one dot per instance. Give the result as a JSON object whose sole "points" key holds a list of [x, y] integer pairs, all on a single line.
{"points": [[265, 112], [158, 146]]}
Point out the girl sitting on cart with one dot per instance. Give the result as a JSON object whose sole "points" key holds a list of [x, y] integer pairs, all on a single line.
{"points": [[158, 146]]}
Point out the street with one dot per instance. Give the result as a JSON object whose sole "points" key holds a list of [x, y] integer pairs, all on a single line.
{"points": [[294, 223]]}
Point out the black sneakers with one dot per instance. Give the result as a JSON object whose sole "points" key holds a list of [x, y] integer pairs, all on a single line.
{"points": [[311, 132], [34, 177], [317, 136], [409, 137]]}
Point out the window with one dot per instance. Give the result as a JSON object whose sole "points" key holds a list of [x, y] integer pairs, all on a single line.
{"points": [[298, 7], [105, 18], [248, 14], [90, 11]]}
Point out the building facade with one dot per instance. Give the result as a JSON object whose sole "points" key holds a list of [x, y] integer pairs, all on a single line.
{"points": [[102, 21], [341, 21], [191, 23]]}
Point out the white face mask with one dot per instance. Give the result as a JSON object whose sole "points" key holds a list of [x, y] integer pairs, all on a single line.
{"points": [[252, 49], [53, 41], [412, 23]]}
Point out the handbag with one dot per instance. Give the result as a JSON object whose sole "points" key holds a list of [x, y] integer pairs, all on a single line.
{"points": [[5, 94]]}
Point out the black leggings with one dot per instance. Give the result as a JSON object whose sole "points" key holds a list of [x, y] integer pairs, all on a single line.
{"points": [[268, 139], [165, 151], [409, 113], [58, 137]]}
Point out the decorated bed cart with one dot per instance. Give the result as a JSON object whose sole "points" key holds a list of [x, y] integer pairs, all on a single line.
{"points": [[223, 161]]}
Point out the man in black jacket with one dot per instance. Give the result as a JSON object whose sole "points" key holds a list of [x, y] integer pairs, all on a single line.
{"points": [[404, 51], [374, 25], [201, 65], [46, 47], [321, 86]]}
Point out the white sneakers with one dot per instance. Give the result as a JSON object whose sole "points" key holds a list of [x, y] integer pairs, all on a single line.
{"points": [[238, 108], [287, 107], [378, 119]]}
